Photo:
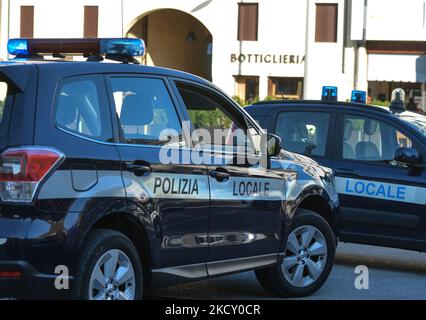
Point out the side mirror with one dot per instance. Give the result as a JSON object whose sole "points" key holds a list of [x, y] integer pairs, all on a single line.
{"points": [[274, 145], [409, 156]]}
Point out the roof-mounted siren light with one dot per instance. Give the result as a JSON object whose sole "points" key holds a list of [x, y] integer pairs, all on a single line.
{"points": [[122, 47], [329, 93], [119, 49], [17, 47], [398, 101], [359, 96]]}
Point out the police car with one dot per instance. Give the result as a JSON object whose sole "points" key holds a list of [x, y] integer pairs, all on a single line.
{"points": [[378, 156], [103, 193]]}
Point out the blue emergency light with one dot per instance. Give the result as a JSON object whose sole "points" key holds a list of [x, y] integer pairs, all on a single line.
{"points": [[129, 47], [329, 93], [126, 46], [17, 47], [359, 96]]}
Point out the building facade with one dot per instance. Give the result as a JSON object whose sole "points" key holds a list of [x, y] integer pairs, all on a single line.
{"points": [[253, 49]]}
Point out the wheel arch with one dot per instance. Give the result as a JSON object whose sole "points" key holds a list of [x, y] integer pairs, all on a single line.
{"points": [[316, 199], [128, 225], [319, 205]]}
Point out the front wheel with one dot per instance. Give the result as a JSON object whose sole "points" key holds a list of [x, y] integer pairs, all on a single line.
{"points": [[306, 261]]}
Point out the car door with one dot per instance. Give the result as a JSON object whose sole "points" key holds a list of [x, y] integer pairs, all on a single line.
{"points": [[174, 196], [245, 213], [90, 176], [309, 132], [382, 202]]}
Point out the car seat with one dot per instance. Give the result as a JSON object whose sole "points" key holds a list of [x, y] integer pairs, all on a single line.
{"points": [[136, 114], [367, 150], [348, 152]]}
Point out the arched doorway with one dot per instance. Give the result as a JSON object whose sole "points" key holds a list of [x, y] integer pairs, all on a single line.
{"points": [[175, 39]]}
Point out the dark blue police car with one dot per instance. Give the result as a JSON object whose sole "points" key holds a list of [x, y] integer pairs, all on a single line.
{"points": [[94, 206], [378, 155]]}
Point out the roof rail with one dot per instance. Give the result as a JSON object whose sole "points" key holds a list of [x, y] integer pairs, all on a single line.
{"points": [[272, 102], [320, 102]]}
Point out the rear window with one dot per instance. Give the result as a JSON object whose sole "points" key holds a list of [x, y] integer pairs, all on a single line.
{"points": [[81, 108], [146, 112], [6, 101]]}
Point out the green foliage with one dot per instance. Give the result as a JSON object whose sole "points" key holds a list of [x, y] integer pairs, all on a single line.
{"points": [[1, 109], [380, 103], [269, 98], [243, 103], [238, 100], [209, 119]]}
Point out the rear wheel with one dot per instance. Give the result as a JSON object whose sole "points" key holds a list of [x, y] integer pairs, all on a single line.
{"points": [[109, 268], [307, 260]]}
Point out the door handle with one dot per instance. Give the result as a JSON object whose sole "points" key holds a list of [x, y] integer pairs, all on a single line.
{"points": [[139, 170], [220, 175], [345, 172]]}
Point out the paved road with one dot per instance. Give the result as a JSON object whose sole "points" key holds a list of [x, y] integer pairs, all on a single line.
{"points": [[394, 274]]}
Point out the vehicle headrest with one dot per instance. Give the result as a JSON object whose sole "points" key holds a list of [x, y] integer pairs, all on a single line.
{"points": [[370, 127], [136, 110], [67, 110], [347, 131], [303, 131]]}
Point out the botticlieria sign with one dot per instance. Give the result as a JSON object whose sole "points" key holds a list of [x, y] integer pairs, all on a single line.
{"points": [[267, 58]]}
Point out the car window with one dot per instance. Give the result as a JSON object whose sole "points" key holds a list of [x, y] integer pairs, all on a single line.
{"points": [[304, 132], [3, 96], [6, 98], [215, 125], [146, 112], [367, 139], [79, 109]]}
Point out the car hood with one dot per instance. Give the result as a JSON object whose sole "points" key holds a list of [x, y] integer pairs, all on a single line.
{"points": [[306, 162], [298, 157]]}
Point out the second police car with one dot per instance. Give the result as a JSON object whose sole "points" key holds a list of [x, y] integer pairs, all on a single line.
{"points": [[378, 155], [108, 176]]}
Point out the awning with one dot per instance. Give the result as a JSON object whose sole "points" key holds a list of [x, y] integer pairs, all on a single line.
{"points": [[397, 67]]}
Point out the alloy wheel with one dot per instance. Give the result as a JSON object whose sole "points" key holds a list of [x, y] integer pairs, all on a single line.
{"points": [[113, 277], [305, 256]]}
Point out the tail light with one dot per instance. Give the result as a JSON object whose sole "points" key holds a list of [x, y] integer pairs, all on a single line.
{"points": [[22, 170], [10, 274]]}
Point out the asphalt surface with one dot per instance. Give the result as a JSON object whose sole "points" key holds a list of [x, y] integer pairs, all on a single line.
{"points": [[393, 274]]}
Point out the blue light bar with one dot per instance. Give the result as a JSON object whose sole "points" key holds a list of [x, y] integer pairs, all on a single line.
{"points": [[123, 46], [329, 93], [128, 47], [17, 47], [359, 96]]}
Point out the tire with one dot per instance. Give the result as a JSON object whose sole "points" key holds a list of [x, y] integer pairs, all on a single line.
{"points": [[314, 267], [101, 249]]}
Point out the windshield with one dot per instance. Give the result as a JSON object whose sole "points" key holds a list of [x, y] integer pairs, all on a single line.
{"points": [[416, 120]]}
